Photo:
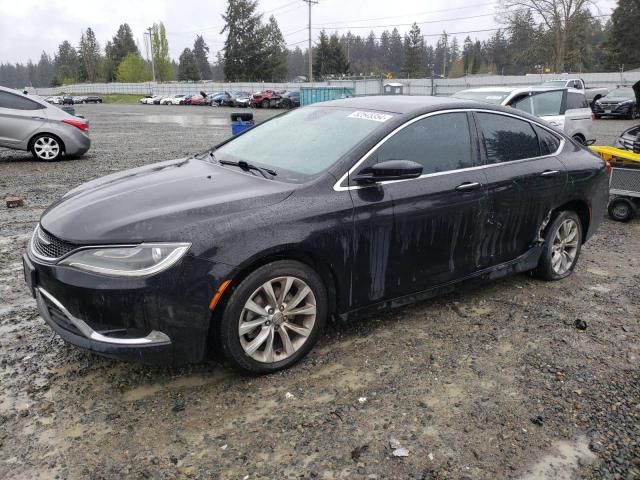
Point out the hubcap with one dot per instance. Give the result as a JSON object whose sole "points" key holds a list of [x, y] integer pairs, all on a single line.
{"points": [[565, 247], [620, 211], [277, 319], [46, 148]]}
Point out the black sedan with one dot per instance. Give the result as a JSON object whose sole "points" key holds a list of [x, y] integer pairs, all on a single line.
{"points": [[619, 102], [334, 210]]}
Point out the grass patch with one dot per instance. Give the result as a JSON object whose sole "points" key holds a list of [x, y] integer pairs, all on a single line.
{"points": [[120, 98]]}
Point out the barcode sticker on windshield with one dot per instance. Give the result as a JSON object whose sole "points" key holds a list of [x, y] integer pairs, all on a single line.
{"points": [[375, 116]]}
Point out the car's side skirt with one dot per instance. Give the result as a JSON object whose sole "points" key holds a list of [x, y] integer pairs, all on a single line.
{"points": [[525, 262]]}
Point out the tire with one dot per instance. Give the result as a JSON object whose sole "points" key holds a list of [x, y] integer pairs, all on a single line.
{"points": [[597, 117], [265, 104], [272, 327], [579, 139], [569, 251], [47, 148], [621, 209]]}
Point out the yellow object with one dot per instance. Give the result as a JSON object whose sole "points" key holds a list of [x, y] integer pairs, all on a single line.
{"points": [[613, 154]]}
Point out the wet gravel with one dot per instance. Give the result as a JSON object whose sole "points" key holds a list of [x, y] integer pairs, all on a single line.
{"points": [[517, 379]]}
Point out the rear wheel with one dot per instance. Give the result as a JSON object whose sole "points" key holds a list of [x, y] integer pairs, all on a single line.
{"points": [[265, 104], [273, 318], [621, 209], [562, 245], [47, 147]]}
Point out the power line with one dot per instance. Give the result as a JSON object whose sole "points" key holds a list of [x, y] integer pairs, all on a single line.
{"points": [[408, 24], [414, 14]]}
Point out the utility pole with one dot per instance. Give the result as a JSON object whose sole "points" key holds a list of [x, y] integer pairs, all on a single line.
{"points": [[310, 3], [153, 68], [444, 60]]}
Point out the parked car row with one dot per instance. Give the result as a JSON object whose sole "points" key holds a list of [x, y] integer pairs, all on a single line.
{"points": [[68, 100], [238, 99]]}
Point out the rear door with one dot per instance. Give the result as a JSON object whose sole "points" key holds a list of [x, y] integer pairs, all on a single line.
{"points": [[20, 118], [578, 117], [524, 179]]}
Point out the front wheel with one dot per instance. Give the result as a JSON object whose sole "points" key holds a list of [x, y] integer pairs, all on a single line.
{"points": [[265, 104], [47, 148], [561, 249], [273, 318]]}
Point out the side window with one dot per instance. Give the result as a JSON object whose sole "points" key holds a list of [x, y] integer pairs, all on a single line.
{"points": [[549, 143], [16, 102], [506, 138], [576, 100], [439, 143], [547, 103]]}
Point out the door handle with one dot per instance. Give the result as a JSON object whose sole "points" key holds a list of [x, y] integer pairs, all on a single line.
{"points": [[468, 186], [37, 118], [549, 173]]}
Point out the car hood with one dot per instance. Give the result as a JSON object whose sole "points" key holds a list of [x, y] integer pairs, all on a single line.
{"points": [[159, 202], [617, 99]]}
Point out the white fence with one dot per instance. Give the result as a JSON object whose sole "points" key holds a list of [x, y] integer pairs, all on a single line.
{"points": [[417, 86]]}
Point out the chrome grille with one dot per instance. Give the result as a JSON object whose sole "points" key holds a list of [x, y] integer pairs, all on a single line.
{"points": [[45, 245]]}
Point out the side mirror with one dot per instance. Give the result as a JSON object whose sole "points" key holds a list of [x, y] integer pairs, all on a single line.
{"points": [[389, 170]]}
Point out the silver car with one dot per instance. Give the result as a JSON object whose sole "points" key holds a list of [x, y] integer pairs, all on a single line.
{"points": [[27, 122], [564, 108]]}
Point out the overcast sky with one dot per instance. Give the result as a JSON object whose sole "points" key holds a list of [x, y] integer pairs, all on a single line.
{"points": [[29, 26]]}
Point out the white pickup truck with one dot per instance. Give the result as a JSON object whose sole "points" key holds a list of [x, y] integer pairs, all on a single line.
{"points": [[592, 93]]}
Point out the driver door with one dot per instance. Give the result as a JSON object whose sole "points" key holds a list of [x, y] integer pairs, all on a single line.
{"points": [[412, 235]]}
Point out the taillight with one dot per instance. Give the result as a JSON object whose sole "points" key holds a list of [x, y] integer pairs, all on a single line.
{"points": [[84, 126], [608, 167]]}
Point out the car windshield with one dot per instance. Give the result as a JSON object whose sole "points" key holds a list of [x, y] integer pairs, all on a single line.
{"points": [[321, 136], [495, 97], [555, 83], [622, 92]]}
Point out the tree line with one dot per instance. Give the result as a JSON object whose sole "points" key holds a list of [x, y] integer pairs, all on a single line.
{"points": [[535, 36]]}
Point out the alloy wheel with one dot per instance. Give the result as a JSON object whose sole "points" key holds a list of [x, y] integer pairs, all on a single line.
{"points": [[565, 247], [46, 148], [277, 319]]}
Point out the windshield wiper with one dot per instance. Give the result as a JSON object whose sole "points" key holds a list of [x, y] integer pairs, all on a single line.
{"points": [[248, 166]]}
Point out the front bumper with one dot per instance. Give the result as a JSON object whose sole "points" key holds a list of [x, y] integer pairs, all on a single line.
{"points": [[161, 319], [617, 110]]}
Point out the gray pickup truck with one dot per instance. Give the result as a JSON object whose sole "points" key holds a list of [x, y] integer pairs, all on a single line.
{"points": [[592, 93]]}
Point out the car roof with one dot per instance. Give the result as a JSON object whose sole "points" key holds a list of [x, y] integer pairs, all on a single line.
{"points": [[400, 103]]}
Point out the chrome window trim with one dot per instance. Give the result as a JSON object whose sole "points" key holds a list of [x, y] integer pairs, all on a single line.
{"points": [[338, 187]]}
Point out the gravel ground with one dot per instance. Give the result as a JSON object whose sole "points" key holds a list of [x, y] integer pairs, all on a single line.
{"points": [[495, 382]]}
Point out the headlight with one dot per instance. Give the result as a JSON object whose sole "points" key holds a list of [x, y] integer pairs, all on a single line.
{"points": [[627, 102], [136, 261]]}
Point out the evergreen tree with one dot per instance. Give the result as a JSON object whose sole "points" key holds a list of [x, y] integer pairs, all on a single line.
{"points": [[274, 59], [66, 63], [119, 47], [161, 59], [44, 71], [413, 63], [624, 41], [188, 67], [295, 63], [201, 53], [243, 47], [89, 56], [397, 52]]}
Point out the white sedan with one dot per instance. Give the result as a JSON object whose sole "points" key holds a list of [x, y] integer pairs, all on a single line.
{"points": [[173, 100]]}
